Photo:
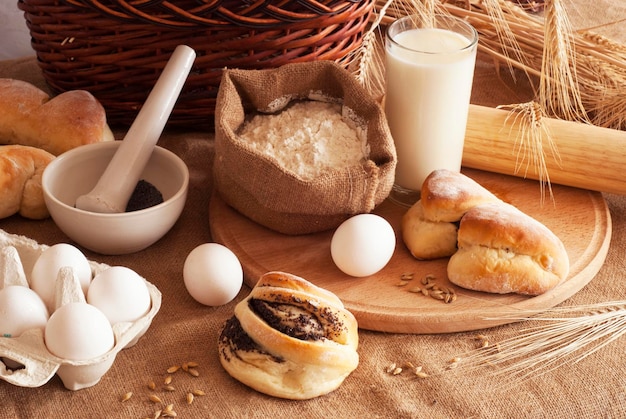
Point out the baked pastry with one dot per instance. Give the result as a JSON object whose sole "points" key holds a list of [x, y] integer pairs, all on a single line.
{"points": [[28, 116], [503, 250], [21, 168], [427, 239], [429, 227], [447, 195], [289, 339]]}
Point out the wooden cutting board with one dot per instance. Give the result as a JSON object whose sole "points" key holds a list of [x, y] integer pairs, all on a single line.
{"points": [[579, 217]]}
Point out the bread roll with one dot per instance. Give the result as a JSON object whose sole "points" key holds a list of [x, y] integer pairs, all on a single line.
{"points": [[502, 250], [429, 227], [21, 168], [427, 239], [289, 339], [28, 116], [446, 195]]}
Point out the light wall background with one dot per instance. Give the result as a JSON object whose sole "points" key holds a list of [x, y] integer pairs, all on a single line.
{"points": [[14, 36]]}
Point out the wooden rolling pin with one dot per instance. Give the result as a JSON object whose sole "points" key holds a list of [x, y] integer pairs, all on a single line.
{"points": [[591, 157]]}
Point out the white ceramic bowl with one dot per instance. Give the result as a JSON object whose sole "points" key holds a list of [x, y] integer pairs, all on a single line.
{"points": [[76, 172]]}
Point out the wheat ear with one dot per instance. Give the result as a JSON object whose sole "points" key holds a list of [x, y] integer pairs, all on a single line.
{"points": [[368, 63], [559, 92], [533, 142], [560, 335]]}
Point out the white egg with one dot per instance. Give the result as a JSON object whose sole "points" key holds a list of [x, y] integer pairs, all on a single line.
{"points": [[46, 268], [213, 274], [120, 293], [78, 331], [363, 245], [20, 309]]}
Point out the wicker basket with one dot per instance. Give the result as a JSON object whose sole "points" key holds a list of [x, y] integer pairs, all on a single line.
{"points": [[116, 48]]}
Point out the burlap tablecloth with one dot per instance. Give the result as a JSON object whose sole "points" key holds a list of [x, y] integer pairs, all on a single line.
{"points": [[186, 331]]}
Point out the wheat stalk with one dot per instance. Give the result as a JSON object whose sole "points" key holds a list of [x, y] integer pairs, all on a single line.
{"points": [[366, 63], [514, 38], [530, 149], [559, 92], [561, 335]]}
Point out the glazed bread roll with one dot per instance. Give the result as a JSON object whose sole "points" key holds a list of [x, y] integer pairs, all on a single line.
{"points": [[502, 250], [21, 168], [28, 116], [289, 339], [447, 195], [429, 227]]}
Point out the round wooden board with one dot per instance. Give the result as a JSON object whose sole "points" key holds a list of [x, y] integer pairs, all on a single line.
{"points": [[579, 217]]}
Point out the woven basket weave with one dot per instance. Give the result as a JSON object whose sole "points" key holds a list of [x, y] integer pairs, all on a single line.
{"points": [[116, 48]]}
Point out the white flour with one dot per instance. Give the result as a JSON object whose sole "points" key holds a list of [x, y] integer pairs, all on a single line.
{"points": [[308, 138]]}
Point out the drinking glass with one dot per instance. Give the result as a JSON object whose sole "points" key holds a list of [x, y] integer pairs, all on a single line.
{"points": [[428, 75]]}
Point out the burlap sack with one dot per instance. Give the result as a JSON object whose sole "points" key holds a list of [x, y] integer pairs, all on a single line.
{"points": [[276, 198]]}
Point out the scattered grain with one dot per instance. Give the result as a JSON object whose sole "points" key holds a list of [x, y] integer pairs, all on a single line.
{"points": [[453, 363], [198, 393], [155, 399], [483, 341], [391, 368], [193, 372], [396, 371], [173, 369], [169, 388], [421, 374], [169, 412], [167, 380], [151, 385], [126, 396], [189, 398], [437, 295]]}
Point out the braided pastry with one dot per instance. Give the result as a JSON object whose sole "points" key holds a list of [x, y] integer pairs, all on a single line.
{"points": [[290, 339]]}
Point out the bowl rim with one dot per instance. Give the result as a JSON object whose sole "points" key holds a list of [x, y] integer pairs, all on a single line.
{"points": [[59, 160]]}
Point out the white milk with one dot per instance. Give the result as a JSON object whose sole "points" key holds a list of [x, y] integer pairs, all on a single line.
{"points": [[427, 101]]}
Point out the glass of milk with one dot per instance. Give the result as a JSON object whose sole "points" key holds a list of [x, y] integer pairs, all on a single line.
{"points": [[429, 73]]}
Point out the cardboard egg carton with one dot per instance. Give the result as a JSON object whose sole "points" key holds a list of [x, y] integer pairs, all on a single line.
{"points": [[25, 360]]}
